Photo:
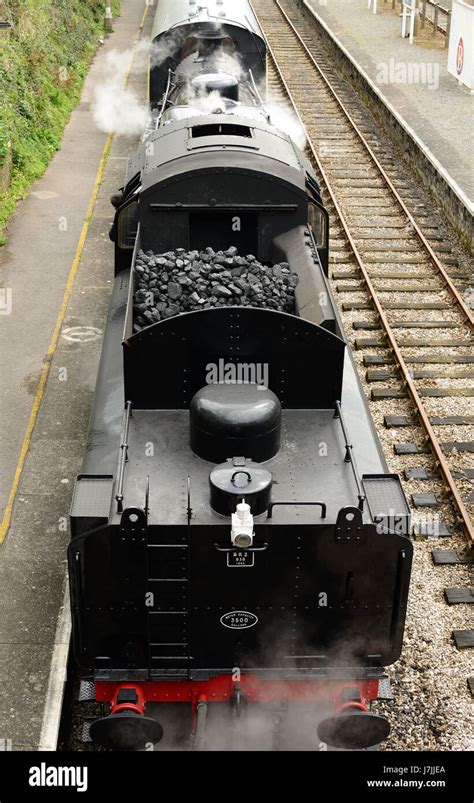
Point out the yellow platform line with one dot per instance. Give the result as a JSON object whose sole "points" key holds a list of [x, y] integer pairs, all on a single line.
{"points": [[7, 516], [142, 23]]}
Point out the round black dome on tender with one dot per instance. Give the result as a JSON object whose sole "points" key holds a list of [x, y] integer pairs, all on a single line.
{"points": [[237, 420]]}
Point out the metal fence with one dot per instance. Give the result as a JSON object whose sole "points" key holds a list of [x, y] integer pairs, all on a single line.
{"points": [[433, 13]]}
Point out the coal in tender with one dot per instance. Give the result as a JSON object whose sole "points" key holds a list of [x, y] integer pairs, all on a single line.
{"points": [[184, 281]]}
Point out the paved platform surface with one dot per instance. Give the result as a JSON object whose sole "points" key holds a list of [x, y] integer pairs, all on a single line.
{"points": [[42, 239], [437, 110], [34, 619]]}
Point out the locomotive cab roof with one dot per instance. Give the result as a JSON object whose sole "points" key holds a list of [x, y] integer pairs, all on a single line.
{"points": [[187, 144]]}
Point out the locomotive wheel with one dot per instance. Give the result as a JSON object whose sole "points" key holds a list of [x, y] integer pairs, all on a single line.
{"points": [[126, 731], [354, 730]]}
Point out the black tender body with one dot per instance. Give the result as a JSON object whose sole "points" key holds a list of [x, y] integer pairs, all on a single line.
{"points": [[158, 589], [179, 548]]}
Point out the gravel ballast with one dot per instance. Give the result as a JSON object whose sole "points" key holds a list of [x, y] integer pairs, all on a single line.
{"points": [[186, 281], [432, 708]]}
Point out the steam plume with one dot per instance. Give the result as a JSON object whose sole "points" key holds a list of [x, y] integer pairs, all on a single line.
{"points": [[116, 109]]}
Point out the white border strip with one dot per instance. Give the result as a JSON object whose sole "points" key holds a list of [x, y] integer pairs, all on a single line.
{"points": [[57, 679], [410, 131]]}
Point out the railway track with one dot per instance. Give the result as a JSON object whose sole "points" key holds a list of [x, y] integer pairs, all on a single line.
{"points": [[378, 247], [402, 287]]}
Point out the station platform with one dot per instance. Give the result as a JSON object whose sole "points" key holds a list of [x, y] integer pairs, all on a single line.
{"points": [[434, 111], [61, 279]]}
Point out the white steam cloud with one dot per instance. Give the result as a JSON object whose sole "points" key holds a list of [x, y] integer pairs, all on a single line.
{"points": [[209, 103], [164, 48], [285, 120], [116, 109]]}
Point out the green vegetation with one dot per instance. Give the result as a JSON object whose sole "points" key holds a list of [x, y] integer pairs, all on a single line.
{"points": [[43, 62]]}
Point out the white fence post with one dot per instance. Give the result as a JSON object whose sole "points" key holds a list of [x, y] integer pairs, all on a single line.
{"points": [[372, 4], [409, 14]]}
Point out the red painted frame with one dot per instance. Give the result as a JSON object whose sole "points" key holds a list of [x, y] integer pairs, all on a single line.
{"points": [[255, 689]]}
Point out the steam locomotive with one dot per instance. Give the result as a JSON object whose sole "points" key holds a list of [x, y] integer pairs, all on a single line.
{"points": [[236, 546]]}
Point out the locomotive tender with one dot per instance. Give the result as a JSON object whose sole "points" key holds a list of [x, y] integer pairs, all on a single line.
{"points": [[234, 544]]}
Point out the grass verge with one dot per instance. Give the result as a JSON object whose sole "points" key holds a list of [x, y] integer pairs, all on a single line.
{"points": [[43, 63]]}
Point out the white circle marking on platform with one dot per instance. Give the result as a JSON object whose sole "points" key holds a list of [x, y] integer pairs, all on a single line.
{"points": [[82, 334]]}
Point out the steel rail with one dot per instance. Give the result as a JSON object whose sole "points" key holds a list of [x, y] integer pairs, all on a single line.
{"points": [[395, 348]]}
